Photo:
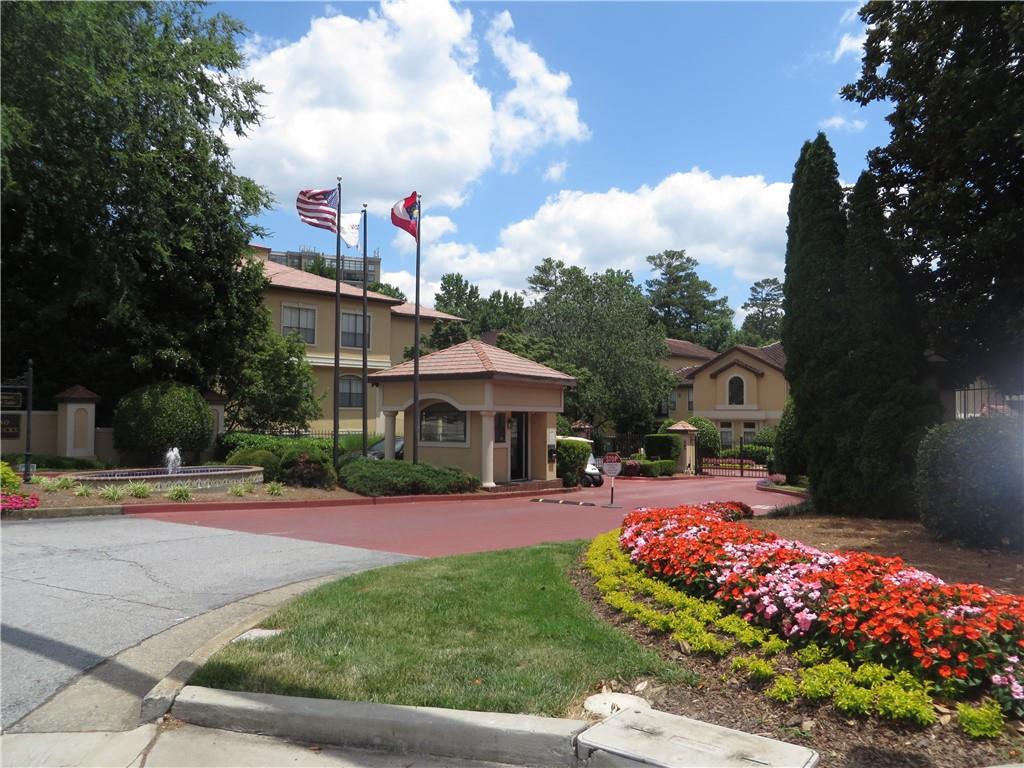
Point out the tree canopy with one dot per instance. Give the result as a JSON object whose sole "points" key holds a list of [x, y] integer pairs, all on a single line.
{"points": [[601, 323], [952, 175], [685, 304], [124, 224], [764, 310], [388, 290]]}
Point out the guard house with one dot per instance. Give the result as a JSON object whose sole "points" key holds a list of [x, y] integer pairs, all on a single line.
{"points": [[483, 409]]}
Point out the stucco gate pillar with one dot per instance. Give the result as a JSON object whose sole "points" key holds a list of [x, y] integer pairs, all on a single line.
{"points": [[389, 434], [76, 422], [487, 449]]}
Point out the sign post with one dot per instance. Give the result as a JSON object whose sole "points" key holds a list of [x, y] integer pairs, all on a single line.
{"points": [[612, 468]]}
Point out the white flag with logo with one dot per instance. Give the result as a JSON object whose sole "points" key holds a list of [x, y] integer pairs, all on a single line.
{"points": [[348, 228]]}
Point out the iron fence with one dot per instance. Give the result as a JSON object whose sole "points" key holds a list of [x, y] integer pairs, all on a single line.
{"points": [[740, 465], [981, 399]]}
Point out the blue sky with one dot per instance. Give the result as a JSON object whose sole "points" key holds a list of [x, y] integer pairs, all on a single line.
{"points": [[597, 133]]}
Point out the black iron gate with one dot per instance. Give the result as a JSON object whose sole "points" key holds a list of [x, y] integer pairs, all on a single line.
{"points": [[741, 461]]}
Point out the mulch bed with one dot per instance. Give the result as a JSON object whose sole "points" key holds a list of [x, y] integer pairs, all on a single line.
{"points": [[722, 698]]}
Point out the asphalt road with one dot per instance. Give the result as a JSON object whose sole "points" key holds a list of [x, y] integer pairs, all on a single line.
{"points": [[77, 591]]}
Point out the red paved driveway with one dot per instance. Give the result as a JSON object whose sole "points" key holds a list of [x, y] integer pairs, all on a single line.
{"points": [[431, 528]]}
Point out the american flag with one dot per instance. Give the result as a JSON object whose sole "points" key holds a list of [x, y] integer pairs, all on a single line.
{"points": [[319, 208]]}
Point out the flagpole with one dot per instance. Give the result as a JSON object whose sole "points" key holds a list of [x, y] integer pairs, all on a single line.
{"points": [[366, 336], [337, 325], [416, 348]]}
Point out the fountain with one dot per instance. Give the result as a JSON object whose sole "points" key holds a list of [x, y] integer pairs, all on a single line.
{"points": [[172, 461], [173, 473]]}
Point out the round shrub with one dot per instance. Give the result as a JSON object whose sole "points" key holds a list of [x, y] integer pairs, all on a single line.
{"points": [[253, 457], [151, 419], [709, 442], [572, 460], [968, 484], [765, 436], [392, 477], [9, 481], [308, 468]]}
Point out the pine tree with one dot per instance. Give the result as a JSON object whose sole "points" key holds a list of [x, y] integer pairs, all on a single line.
{"points": [[812, 332], [888, 409]]}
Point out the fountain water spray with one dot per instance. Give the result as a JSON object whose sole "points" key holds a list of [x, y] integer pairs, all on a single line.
{"points": [[172, 461]]}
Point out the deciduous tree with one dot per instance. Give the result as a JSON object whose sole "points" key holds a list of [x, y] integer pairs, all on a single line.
{"points": [[952, 174], [124, 223]]}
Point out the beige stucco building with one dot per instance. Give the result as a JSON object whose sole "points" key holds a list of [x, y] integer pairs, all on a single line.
{"points": [[482, 408], [683, 357], [741, 390], [303, 303]]}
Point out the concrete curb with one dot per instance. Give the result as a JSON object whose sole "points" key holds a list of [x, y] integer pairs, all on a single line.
{"points": [[59, 512], [785, 492], [525, 740], [219, 506]]}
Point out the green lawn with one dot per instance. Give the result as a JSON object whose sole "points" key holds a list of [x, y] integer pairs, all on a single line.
{"points": [[500, 631]]}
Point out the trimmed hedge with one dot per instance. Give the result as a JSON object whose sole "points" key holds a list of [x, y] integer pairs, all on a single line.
{"points": [[572, 458], [663, 446], [789, 458], [270, 462], [229, 442], [762, 454], [968, 484], [45, 461], [390, 477], [709, 442], [765, 436], [151, 419], [657, 468]]}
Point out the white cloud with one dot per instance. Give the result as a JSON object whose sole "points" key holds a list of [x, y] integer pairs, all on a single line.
{"points": [[850, 15], [405, 281], [392, 103], [734, 223], [849, 44], [537, 110], [556, 172], [432, 229], [840, 123]]}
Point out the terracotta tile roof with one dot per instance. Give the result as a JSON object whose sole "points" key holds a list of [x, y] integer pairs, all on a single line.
{"points": [[282, 276], [682, 426], [78, 393], [682, 374], [689, 349], [474, 360], [409, 310], [772, 355]]}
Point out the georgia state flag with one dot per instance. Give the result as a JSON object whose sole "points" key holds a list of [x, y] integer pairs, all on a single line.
{"points": [[405, 212]]}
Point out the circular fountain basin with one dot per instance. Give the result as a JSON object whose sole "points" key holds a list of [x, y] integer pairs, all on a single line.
{"points": [[213, 478]]}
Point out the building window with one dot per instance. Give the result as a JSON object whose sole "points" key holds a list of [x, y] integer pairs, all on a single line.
{"points": [[749, 430], [499, 428], [350, 392], [689, 399], [442, 423], [352, 330], [736, 391], [299, 320], [725, 431]]}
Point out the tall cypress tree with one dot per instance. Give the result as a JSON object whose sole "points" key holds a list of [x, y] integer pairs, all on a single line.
{"points": [[887, 409], [812, 331]]}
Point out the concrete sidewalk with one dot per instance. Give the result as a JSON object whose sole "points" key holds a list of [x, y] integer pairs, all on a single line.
{"points": [[173, 743]]}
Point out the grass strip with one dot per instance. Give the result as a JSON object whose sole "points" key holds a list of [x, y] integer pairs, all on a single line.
{"points": [[500, 631]]}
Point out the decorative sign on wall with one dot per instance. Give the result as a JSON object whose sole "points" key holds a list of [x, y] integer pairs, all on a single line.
{"points": [[11, 400], [10, 426]]}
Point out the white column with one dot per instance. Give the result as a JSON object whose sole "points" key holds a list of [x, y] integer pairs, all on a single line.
{"points": [[487, 449], [389, 434]]}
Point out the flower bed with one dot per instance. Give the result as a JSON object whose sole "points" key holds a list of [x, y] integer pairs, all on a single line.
{"points": [[12, 501], [964, 638]]}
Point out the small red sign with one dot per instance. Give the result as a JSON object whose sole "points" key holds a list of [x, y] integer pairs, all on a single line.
{"points": [[612, 458]]}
